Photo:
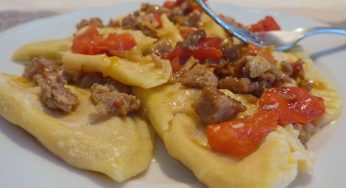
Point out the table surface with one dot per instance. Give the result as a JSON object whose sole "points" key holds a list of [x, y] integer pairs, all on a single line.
{"points": [[332, 12]]}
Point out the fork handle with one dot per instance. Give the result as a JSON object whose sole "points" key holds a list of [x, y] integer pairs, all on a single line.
{"points": [[323, 30]]}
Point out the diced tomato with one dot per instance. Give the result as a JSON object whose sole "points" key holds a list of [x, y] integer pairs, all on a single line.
{"points": [[208, 48], [205, 53], [176, 65], [179, 52], [242, 136], [253, 50], [266, 24], [294, 105], [91, 42], [158, 19], [120, 42], [194, 6], [298, 69], [169, 4]]}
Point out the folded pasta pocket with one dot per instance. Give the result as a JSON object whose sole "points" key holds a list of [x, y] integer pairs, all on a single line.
{"points": [[144, 75], [274, 164], [118, 147], [49, 49]]}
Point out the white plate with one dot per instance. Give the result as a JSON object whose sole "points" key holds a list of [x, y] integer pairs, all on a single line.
{"points": [[25, 163]]}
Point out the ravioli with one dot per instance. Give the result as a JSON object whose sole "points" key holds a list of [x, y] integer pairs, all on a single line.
{"points": [[120, 147], [131, 67], [276, 163], [49, 49]]}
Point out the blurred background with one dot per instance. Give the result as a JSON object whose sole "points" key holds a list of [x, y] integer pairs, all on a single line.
{"points": [[14, 12]]}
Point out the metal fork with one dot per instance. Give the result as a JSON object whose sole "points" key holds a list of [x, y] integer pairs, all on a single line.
{"points": [[282, 40]]}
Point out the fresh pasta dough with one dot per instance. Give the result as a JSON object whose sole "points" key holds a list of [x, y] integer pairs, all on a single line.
{"points": [[120, 147], [169, 31], [49, 49], [275, 163], [145, 75]]}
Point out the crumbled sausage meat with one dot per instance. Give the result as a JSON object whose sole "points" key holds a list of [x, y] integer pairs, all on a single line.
{"points": [[191, 41], [215, 107], [242, 85], [286, 68], [155, 9], [109, 100], [50, 78], [91, 21], [161, 48], [199, 76], [230, 52], [190, 20], [40, 65], [53, 93], [137, 21]]}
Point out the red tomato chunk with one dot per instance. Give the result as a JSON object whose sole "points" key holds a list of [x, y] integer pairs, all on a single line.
{"points": [[294, 105], [266, 24], [242, 136], [277, 106], [92, 43]]}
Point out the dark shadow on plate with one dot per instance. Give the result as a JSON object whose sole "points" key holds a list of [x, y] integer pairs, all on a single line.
{"points": [[302, 180], [30, 143], [329, 51], [173, 168]]}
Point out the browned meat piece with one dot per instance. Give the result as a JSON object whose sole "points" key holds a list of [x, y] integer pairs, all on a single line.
{"points": [[190, 20], [155, 9], [191, 41], [287, 68], [215, 107], [231, 52], [50, 78], [53, 93], [161, 48], [114, 23], [40, 65], [181, 10], [131, 21], [279, 75], [91, 21], [199, 76], [109, 100], [265, 81], [242, 85], [257, 66], [136, 21], [117, 85]]}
